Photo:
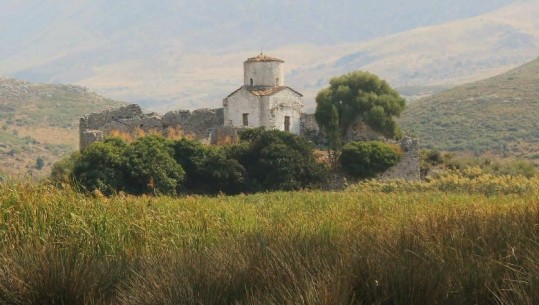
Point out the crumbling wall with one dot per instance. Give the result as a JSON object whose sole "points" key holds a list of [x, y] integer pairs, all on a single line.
{"points": [[311, 131], [131, 120], [408, 167], [199, 124]]}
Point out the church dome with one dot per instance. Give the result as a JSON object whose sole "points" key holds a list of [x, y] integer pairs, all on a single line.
{"points": [[263, 71], [263, 58]]}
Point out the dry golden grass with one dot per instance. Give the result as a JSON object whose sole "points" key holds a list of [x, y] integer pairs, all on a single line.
{"points": [[360, 246]]}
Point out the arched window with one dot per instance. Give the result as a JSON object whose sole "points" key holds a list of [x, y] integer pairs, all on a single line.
{"points": [[277, 81], [251, 82]]}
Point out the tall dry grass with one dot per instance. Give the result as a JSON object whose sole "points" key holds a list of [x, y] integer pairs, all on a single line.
{"points": [[353, 247]]}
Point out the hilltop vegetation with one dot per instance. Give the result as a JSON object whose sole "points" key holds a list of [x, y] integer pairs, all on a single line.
{"points": [[41, 121], [498, 115]]}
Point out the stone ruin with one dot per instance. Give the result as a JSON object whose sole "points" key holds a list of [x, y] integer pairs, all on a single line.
{"points": [[207, 126], [198, 124]]}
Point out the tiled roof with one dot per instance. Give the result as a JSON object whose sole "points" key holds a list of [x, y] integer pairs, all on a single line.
{"points": [[266, 91], [260, 91], [270, 91], [263, 58]]}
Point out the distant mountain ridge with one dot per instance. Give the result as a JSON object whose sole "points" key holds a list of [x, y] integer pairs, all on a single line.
{"points": [[499, 115], [178, 54]]}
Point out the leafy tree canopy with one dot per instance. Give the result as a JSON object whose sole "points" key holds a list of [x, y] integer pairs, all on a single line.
{"points": [[358, 94], [151, 167], [99, 166], [277, 160]]}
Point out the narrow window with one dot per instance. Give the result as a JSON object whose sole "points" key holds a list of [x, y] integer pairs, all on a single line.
{"points": [[251, 82], [245, 119], [286, 123], [277, 81]]}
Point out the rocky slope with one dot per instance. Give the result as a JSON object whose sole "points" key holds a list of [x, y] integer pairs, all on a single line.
{"points": [[40, 121], [499, 115]]}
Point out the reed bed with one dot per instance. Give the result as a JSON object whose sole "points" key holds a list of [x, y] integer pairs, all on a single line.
{"points": [[360, 246]]}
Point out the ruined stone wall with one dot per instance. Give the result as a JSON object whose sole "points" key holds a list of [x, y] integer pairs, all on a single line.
{"points": [[408, 167], [360, 131], [311, 131], [131, 120]]}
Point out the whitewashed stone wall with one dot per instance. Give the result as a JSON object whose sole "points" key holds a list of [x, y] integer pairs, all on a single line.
{"points": [[286, 103], [264, 111], [242, 101], [264, 74]]}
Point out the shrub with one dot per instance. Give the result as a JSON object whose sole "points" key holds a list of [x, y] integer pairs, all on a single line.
{"points": [[99, 166], [62, 171], [40, 163], [151, 168], [190, 154], [276, 160], [217, 173], [367, 159]]}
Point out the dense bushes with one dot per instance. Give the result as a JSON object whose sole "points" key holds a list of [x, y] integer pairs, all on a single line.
{"points": [[100, 166], [262, 161], [366, 159], [151, 168], [277, 160]]}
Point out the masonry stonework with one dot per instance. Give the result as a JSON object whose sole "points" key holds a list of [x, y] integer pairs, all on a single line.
{"points": [[408, 167], [264, 100], [131, 120]]}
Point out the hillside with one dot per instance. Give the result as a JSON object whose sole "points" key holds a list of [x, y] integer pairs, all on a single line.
{"points": [[499, 114], [178, 54], [40, 120]]}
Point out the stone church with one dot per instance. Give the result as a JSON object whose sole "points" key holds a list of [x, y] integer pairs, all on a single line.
{"points": [[264, 100]]}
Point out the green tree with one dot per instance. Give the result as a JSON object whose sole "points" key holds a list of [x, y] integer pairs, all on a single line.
{"points": [[40, 163], [367, 159], [217, 173], [62, 171], [357, 95], [276, 160], [99, 166], [190, 155], [150, 167]]}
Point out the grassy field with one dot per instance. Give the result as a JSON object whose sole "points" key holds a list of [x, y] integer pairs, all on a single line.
{"points": [[366, 245]]}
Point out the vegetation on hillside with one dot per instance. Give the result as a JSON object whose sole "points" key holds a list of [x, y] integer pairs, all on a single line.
{"points": [[361, 246], [435, 161], [41, 121], [496, 115]]}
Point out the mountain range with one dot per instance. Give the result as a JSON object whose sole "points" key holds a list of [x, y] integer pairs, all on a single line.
{"points": [[177, 54]]}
